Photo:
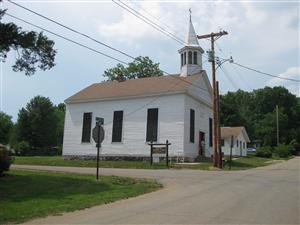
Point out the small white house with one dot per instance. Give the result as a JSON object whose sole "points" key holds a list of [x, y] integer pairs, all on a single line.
{"points": [[239, 138], [176, 108]]}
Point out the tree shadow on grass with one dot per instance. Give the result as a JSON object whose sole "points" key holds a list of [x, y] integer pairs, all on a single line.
{"points": [[20, 187]]}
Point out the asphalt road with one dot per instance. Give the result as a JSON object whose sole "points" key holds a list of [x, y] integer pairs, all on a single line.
{"points": [[265, 195]]}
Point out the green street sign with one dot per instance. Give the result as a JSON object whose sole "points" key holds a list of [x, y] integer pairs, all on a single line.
{"points": [[99, 120]]}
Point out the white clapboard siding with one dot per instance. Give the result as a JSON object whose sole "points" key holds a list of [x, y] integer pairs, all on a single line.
{"points": [[170, 125], [202, 115]]}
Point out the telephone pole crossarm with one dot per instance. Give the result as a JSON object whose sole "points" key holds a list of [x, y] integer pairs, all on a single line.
{"points": [[211, 35]]}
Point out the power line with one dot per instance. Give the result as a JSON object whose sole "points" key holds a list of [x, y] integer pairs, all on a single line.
{"points": [[146, 20], [67, 39], [155, 18], [89, 48], [71, 29], [264, 73], [151, 21]]}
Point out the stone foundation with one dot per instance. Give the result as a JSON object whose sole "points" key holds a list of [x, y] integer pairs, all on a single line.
{"points": [[126, 158]]}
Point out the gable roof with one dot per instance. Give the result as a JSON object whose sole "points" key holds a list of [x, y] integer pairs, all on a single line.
{"points": [[234, 131], [141, 87]]}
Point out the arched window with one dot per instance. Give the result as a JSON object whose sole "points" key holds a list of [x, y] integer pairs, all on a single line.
{"points": [[190, 57], [195, 58], [181, 59], [184, 58]]}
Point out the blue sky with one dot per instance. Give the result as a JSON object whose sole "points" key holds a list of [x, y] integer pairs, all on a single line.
{"points": [[262, 35]]}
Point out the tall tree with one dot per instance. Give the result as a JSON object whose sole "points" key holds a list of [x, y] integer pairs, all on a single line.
{"points": [[6, 126], [255, 111], [37, 123], [139, 68], [60, 118], [34, 49]]}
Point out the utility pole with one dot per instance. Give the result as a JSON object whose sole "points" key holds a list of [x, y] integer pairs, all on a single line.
{"points": [[219, 127], [213, 37], [277, 124]]}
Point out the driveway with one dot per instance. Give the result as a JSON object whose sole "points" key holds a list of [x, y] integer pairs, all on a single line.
{"points": [[265, 195]]}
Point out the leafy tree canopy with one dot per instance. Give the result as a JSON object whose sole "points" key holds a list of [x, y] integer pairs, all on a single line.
{"points": [[37, 123], [6, 126], [34, 49], [139, 68], [256, 111]]}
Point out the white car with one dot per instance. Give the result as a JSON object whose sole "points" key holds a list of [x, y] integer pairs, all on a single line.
{"points": [[251, 150]]}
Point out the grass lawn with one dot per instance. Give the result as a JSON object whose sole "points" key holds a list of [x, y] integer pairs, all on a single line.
{"points": [[59, 161], [251, 161], [25, 195], [248, 162]]}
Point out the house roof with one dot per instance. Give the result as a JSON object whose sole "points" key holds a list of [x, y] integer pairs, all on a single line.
{"points": [[234, 131], [134, 88]]}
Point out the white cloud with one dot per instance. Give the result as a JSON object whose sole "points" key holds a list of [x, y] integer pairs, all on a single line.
{"points": [[290, 73]]}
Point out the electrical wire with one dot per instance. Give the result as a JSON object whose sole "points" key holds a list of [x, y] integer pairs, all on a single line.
{"points": [[72, 29], [132, 11], [65, 38], [264, 73]]}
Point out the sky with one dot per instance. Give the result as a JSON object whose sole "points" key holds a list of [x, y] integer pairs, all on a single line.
{"points": [[262, 35]]}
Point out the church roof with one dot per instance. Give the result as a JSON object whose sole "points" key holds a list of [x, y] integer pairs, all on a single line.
{"points": [[191, 37], [141, 87]]}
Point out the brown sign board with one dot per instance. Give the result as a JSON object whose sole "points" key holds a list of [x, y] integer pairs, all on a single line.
{"points": [[159, 150]]}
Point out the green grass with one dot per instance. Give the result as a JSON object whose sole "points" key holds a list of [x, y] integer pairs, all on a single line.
{"points": [[25, 195], [59, 161], [248, 162], [251, 161]]}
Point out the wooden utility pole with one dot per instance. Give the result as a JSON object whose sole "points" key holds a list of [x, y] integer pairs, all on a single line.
{"points": [[277, 125], [213, 37], [219, 128]]}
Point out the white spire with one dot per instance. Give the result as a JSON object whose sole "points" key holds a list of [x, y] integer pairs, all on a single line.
{"points": [[191, 37]]}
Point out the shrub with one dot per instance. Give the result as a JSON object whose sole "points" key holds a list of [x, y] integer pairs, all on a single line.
{"points": [[296, 147], [5, 160], [283, 150], [265, 152], [22, 148]]}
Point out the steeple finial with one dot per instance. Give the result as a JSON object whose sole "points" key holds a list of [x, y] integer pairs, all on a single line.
{"points": [[190, 10]]}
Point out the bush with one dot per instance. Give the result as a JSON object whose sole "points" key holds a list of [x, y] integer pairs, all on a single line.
{"points": [[283, 150], [5, 160], [265, 152], [22, 148], [296, 147]]}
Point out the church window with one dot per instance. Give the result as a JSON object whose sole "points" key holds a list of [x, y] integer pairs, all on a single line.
{"points": [[195, 58], [86, 127], [181, 59], [192, 126], [184, 58], [117, 126], [190, 54], [152, 124]]}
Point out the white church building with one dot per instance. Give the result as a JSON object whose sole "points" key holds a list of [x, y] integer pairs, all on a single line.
{"points": [[176, 108]]}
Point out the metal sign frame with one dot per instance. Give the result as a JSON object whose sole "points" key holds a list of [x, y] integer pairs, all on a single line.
{"points": [[156, 148]]}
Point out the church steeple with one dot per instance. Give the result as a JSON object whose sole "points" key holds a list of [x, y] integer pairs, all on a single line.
{"points": [[191, 53]]}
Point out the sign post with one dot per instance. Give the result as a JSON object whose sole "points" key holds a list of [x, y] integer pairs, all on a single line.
{"points": [[159, 149], [98, 136]]}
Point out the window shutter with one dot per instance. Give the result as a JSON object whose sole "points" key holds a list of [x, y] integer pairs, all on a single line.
{"points": [[152, 124], [192, 125], [86, 127], [117, 126]]}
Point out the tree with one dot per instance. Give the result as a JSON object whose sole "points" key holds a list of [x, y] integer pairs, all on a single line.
{"points": [[34, 49], [6, 126], [139, 68], [60, 117], [256, 111], [37, 123]]}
